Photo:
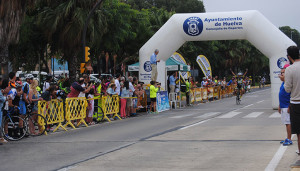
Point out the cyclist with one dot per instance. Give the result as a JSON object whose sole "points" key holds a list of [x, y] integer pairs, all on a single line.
{"points": [[240, 81]]}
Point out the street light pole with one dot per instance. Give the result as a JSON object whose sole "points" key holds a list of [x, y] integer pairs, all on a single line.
{"points": [[85, 28]]}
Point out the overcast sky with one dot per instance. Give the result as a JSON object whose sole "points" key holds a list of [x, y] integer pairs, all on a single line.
{"points": [[279, 12]]}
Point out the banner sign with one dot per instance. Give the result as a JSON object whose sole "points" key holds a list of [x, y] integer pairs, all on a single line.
{"points": [[198, 94], [192, 95], [204, 65], [210, 92], [162, 101], [204, 94]]}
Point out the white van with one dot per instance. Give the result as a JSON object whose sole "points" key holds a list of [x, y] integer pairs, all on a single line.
{"points": [[22, 74]]}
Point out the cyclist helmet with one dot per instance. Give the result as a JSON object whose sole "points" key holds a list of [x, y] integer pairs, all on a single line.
{"points": [[29, 76], [240, 74]]}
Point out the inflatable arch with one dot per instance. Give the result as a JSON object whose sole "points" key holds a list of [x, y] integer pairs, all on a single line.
{"points": [[249, 25]]}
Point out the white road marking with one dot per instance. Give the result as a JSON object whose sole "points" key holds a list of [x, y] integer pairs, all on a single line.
{"points": [[181, 116], [276, 158], [253, 115], [247, 106], [229, 115], [275, 115], [208, 114], [194, 124], [260, 101]]}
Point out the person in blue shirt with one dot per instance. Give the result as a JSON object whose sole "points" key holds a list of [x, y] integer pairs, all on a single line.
{"points": [[4, 89], [153, 62], [283, 109], [172, 84]]}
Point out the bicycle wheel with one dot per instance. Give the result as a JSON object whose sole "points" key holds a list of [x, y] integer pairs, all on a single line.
{"points": [[98, 115], [37, 124], [11, 129]]}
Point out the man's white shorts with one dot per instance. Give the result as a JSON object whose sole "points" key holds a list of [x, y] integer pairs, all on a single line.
{"points": [[285, 116]]}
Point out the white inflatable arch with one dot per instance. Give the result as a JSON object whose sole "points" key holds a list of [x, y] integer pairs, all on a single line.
{"points": [[249, 25]]}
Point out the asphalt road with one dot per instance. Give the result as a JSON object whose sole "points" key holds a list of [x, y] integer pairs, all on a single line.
{"points": [[217, 135]]}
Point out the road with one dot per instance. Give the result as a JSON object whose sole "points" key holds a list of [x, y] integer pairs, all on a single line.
{"points": [[217, 135]]}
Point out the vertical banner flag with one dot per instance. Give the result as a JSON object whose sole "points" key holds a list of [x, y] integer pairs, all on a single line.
{"points": [[204, 65], [162, 101], [179, 58]]}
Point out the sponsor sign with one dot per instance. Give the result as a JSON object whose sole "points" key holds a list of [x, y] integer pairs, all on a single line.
{"points": [[162, 101]]}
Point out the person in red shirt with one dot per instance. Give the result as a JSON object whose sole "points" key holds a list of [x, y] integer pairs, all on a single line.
{"points": [[76, 88]]}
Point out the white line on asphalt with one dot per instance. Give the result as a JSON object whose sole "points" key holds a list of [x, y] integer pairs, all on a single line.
{"points": [[208, 114], [181, 116], [194, 124], [229, 115], [276, 158], [253, 115], [275, 115], [260, 101], [247, 106]]}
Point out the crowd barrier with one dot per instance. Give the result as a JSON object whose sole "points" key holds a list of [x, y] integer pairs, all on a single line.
{"points": [[110, 106], [75, 110], [208, 93], [58, 112], [53, 112]]}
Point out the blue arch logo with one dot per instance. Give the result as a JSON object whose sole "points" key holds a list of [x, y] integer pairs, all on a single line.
{"points": [[193, 26], [281, 62], [147, 66]]}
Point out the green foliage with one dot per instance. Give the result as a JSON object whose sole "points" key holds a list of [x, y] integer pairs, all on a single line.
{"points": [[292, 34]]}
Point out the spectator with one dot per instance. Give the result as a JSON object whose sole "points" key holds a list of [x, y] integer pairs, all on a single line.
{"points": [[12, 79], [292, 85], [49, 94], [153, 91], [24, 100], [153, 63], [90, 108], [172, 80], [103, 86], [33, 99], [86, 80], [4, 91], [46, 84], [284, 102], [131, 94], [76, 88], [124, 97], [111, 89], [117, 83], [204, 82], [187, 91]]}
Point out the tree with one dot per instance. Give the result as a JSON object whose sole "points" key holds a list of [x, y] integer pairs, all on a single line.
{"points": [[63, 22], [291, 33], [11, 16]]}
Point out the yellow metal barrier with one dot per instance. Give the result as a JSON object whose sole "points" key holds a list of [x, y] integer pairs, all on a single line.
{"points": [[110, 105], [76, 110], [52, 111]]}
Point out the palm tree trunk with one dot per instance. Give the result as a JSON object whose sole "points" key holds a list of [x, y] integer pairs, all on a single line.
{"points": [[4, 61], [73, 67]]}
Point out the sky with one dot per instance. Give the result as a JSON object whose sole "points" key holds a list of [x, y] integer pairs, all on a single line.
{"points": [[279, 12]]}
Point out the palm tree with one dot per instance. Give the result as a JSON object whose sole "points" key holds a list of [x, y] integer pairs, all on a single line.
{"points": [[12, 13], [63, 25]]}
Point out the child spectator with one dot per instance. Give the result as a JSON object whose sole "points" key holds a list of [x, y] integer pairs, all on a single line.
{"points": [[284, 102], [90, 109]]}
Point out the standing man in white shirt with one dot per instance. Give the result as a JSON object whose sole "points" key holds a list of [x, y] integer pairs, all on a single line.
{"points": [[117, 82], [292, 85], [153, 62]]}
